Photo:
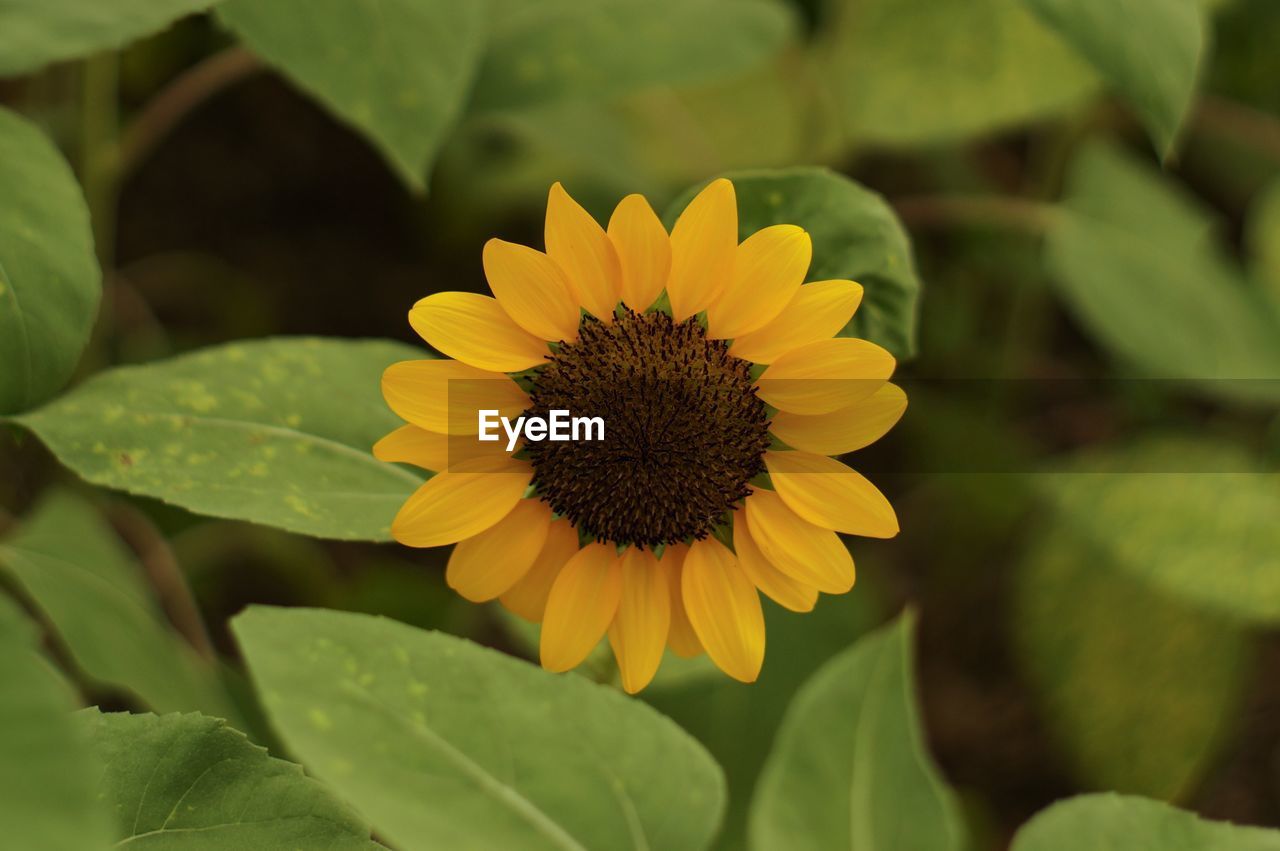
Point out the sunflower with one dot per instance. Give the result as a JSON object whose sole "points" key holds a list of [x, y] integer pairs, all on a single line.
{"points": [[724, 392]]}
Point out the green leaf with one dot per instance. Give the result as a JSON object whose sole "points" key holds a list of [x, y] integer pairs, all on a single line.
{"points": [[273, 431], [907, 72], [1264, 240], [1137, 263], [849, 769], [37, 32], [49, 279], [445, 744], [396, 70], [1148, 50], [1123, 823], [79, 574], [1208, 536], [737, 723], [190, 782], [856, 235], [567, 49], [1138, 705], [46, 775]]}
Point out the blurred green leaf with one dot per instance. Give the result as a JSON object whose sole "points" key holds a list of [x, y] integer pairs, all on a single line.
{"points": [[849, 769], [1264, 239], [1137, 262], [856, 235], [47, 799], [444, 744], [1138, 687], [1193, 517], [1123, 823], [273, 431], [1148, 50], [396, 70], [76, 571], [37, 32], [192, 782], [49, 279], [738, 722], [567, 49], [906, 72]]}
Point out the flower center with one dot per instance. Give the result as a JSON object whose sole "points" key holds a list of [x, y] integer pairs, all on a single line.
{"points": [[684, 430]]}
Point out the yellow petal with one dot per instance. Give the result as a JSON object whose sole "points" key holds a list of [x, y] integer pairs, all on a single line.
{"points": [[703, 242], [456, 504], [803, 551], [486, 565], [816, 312], [532, 290], [846, 429], [528, 597], [644, 251], [580, 247], [773, 583], [582, 603], [445, 396], [768, 269], [412, 445], [724, 609], [682, 640], [477, 331], [825, 376], [829, 494], [639, 631]]}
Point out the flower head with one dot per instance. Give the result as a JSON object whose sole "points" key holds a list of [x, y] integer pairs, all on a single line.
{"points": [[723, 392]]}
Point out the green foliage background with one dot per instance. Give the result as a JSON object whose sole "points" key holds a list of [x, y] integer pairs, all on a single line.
{"points": [[213, 217]]}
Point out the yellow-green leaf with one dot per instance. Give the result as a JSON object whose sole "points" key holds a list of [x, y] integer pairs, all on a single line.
{"points": [[849, 768], [49, 279], [1148, 50], [396, 70], [274, 431], [445, 744], [1134, 824]]}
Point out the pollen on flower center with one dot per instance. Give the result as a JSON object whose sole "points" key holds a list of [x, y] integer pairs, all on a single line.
{"points": [[684, 430]]}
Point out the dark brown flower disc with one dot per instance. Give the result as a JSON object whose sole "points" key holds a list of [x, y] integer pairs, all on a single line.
{"points": [[684, 431]]}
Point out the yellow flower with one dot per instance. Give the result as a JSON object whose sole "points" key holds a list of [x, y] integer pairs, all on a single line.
{"points": [[713, 482]]}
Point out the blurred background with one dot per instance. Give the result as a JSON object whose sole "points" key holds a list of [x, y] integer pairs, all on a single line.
{"points": [[1090, 513]]}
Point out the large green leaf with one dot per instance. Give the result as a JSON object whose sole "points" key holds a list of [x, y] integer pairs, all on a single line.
{"points": [[397, 70], [49, 279], [1264, 240], [74, 568], [737, 723], [274, 431], [1193, 517], [1123, 823], [444, 744], [191, 783], [1148, 50], [856, 235], [1138, 704], [849, 769], [37, 32], [913, 71], [567, 49], [46, 776], [1137, 263]]}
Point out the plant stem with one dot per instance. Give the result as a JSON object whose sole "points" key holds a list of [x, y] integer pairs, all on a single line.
{"points": [[172, 104], [164, 574], [99, 128], [975, 210], [1247, 126]]}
